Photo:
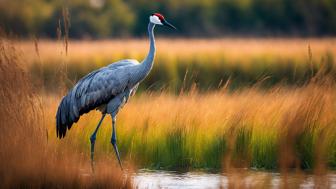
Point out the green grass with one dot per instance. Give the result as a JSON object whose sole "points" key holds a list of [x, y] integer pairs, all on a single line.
{"points": [[291, 124], [179, 149], [201, 131], [206, 71]]}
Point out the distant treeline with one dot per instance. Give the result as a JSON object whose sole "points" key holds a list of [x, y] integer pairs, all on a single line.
{"points": [[115, 18]]}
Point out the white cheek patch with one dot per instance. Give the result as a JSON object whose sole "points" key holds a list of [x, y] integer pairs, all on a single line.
{"points": [[155, 20]]}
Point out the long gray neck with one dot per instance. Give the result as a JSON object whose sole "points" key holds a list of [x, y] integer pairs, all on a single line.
{"points": [[147, 63]]}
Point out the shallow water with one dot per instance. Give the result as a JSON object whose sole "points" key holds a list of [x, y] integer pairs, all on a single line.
{"points": [[247, 179]]}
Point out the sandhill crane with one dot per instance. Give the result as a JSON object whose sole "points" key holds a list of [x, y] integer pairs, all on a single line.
{"points": [[107, 89]]}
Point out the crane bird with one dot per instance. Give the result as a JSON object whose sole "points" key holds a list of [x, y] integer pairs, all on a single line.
{"points": [[107, 90]]}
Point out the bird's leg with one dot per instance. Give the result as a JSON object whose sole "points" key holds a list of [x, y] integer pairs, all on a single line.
{"points": [[93, 140], [114, 140]]}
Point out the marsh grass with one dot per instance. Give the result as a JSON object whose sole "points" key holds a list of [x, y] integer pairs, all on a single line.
{"points": [[209, 63], [29, 156], [281, 129], [285, 128]]}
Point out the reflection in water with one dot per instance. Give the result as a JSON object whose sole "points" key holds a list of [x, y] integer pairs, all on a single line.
{"points": [[164, 179]]}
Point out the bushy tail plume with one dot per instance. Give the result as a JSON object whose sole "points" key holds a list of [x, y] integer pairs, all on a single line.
{"points": [[65, 116]]}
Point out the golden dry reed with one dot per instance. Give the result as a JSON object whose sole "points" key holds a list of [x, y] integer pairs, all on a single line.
{"points": [[284, 128], [29, 159], [290, 130], [181, 62], [234, 48], [278, 128]]}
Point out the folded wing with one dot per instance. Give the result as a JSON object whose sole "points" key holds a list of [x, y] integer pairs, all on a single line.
{"points": [[92, 91]]}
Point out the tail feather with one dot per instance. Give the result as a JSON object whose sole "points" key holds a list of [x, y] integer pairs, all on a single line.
{"points": [[65, 117]]}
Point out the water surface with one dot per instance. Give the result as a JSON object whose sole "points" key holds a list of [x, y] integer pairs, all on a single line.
{"points": [[247, 179]]}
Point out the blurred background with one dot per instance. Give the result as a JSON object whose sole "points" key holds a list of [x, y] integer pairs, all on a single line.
{"points": [[235, 42], [96, 19], [242, 87]]}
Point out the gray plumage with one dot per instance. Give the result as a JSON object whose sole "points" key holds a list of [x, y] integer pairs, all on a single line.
{"points": [[106, 89]]}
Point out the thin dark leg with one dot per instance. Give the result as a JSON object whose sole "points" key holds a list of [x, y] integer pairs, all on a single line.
{"points": [[114, 140], [93, 140]]}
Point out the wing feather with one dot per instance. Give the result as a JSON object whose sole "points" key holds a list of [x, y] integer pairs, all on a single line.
{"points": [[92, 91]]}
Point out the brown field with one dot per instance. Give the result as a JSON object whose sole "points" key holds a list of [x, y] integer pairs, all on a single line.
{"points": [[286, 129], [180, 63], [29, 157], [233, 48]]}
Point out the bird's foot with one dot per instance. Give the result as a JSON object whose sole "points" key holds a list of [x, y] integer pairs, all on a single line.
{"points": [[92, 166], [117, 153]]}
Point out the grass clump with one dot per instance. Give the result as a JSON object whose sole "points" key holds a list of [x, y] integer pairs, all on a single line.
{"points": [[282, 127], [30, 157], [182, 63]]}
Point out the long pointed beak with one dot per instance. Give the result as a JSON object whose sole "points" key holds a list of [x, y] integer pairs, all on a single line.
{"points": [[165, 23]]}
